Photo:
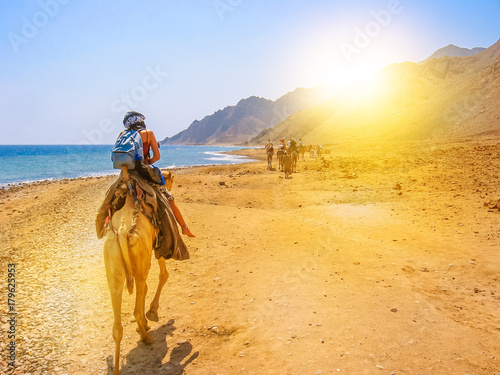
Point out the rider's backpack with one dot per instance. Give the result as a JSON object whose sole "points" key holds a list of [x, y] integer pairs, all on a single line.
{"points": [[127, 150]]}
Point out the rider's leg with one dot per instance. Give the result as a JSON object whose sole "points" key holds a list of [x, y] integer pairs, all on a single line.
{"points": [[180, 219]]}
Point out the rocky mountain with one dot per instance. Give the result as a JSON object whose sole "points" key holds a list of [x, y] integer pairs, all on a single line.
{"points": [[452, 50], [238, 123], [443, 97]]}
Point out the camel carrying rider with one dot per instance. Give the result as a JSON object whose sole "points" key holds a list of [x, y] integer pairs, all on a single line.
{"points": [[269, 146], [150, 180]]}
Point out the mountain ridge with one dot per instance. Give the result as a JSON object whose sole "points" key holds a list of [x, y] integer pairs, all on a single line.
{"points": [[236, 124], [452, 50], [447, 96]]}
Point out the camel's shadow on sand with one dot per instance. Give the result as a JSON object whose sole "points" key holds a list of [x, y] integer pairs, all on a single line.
{"points": [[149, 359]]}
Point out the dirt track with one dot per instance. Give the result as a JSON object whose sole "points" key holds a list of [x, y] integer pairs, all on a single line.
{"points": [[379, 259]]}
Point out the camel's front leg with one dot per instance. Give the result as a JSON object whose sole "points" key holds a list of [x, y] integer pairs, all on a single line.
{"points": [[140, 301], [155, 304]]}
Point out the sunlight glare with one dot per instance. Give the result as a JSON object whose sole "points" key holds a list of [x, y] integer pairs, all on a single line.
{"points": [[363, 81]]}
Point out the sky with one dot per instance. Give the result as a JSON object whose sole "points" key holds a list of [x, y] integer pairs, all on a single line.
{"points": [[71, 69]]}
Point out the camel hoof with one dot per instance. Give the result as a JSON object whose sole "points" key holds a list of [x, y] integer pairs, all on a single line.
{"points": [[146, 327], [147, 340], [152, 316]]}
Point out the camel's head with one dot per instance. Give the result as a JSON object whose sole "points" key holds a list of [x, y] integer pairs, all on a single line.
{"points": [[169, 179]]}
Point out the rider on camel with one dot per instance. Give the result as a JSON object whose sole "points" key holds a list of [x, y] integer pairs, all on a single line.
{"points": [[269, 145], [282, 145], [293, 145], [135, 121]]}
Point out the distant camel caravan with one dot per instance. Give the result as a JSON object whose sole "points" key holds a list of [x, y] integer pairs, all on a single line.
{"points": [[128, 245], [289, 154]]}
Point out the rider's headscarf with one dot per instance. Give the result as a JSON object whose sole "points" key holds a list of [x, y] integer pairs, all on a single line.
{"points": [[134, 121]]}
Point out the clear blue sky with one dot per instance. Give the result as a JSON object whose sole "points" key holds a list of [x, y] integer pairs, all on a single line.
{"points": [[71, 69]]}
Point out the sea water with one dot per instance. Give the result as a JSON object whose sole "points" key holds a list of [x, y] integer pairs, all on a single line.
{"points": [[29, 163]]}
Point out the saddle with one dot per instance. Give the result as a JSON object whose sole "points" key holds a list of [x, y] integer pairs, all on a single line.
{"points": [[169, 243]]}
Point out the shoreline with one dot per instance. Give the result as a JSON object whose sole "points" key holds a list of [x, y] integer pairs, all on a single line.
{"points": [[10, 185]]}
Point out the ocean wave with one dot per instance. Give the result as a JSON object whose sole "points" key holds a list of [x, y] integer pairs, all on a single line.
{"points": [[217, 156], [6, 185]]}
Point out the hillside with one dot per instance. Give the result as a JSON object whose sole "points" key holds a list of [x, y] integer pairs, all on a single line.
{"points": [[446, 97], [238, 123]]}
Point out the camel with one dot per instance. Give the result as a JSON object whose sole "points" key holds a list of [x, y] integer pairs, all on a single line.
{"points": [[127, 257], [294, 159], [302, 151], [287, 164], [279, 155], [270, 152], [169, 179]]}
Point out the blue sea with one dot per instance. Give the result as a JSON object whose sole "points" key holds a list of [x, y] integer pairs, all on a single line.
{"points": [[30, 163]]}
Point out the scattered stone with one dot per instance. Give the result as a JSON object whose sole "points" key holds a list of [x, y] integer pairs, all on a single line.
{"points": [[493, 204]]}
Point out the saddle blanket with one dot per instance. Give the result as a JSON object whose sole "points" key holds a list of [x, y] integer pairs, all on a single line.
{"points": [[169, 243]]}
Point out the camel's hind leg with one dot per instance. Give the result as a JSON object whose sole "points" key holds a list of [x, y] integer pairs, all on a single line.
{"points": [[152, 314], [116, 300], [115, 273], [140, 301]]}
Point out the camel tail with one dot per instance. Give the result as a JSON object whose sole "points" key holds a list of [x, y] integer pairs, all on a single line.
{"points": [[123, 241]]}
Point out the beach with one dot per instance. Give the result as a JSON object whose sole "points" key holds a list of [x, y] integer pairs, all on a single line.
{"points": [[375, 259]]}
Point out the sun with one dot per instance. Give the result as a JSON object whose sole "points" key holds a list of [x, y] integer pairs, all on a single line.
{"points": [[361, 77], [360, 82]]}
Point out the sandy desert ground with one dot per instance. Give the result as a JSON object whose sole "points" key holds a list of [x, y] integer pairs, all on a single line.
{"points": [[376, 259]]}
